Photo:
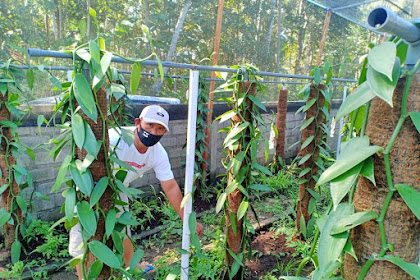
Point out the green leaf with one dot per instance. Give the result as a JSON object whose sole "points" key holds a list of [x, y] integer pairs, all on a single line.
{"points": [[135, 77], [15, 251], [293, 278], [309, 104], [410, 268], [314, 194], [95, 269], [100, 73], [22, 204], [381, 85], [415, 118], [83, 180], [341, 185], [90, 144], [110, 221], [304, 172], [220, 202], [382, 58], [137, 256], [118, 244], [359, 97], [307, 123], [162, 73], [84, 96], [356, 150], [30, 77], [411, 197], [352, 221], [94, 52], [307, 142], [330, 247], [368, 170], [104, 254], [61, 173], [302, 223], [402, 52], [317, 75], [261, 168], [226, 116], [78, 130], [98, 190], [259, 187], [237, 162], [84, 54], [237, 258], [257, 102], [350, 250], [304, 159], [243, 208], [235, 130], [4, 216], [87, 217], [70, 203], [92, 13]]}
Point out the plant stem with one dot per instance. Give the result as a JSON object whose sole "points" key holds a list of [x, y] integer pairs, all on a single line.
{"points": [[365, 119], [308, 258]]}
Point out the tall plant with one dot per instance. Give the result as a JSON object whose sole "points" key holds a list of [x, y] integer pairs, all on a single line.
{"points": [[313, 143], [377, 179], [93, 189], [12, 175], [242, 140]]}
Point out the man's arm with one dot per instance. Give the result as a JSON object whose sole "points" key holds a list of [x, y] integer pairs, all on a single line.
{"points": [[174, 195]]}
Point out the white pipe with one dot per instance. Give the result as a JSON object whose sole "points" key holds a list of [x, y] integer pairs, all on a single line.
{"points": [[341, 125], [189, 168]]}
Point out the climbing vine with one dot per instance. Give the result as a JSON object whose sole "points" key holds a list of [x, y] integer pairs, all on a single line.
{"points": [[242, 141], [92, 191], [312, 147], [13, 176], [363, 169]]}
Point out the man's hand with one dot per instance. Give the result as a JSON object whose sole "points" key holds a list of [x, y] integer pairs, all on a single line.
{"points": [[199, 229]]}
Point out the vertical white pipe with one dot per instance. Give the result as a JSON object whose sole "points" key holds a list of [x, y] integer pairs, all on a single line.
{"points": [[189, 168], [341, 125]]}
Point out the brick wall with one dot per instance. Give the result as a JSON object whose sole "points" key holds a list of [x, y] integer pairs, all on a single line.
{"points": [[44, 169]]}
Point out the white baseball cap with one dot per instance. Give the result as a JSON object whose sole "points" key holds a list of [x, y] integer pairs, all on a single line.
{"points": [[155, 114]]}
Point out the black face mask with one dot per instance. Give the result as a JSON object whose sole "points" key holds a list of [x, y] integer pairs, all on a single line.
{"points": [[147, 138]]}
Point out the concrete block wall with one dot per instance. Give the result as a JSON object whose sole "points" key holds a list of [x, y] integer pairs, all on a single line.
{"points": [[44, 170]]}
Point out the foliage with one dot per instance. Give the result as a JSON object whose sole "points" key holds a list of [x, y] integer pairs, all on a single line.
{"points": [[377, 80], [83, 104], [14, 177], [242, 140], [51, 247]]}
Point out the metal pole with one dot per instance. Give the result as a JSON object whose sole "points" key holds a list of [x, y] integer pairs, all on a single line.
{"points": [[341, 125], [45, 53], [189, 169]]}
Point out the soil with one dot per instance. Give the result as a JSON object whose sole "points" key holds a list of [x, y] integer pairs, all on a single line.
{"points": [[272, 249]]}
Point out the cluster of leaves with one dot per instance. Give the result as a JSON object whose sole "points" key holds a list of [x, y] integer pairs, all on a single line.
{"points": [[381, 71], [15, 173], [81, 192], [318, 155], [242, 141]]}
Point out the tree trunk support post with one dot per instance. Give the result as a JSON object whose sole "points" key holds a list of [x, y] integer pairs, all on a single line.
{"points": [[324, 36]]}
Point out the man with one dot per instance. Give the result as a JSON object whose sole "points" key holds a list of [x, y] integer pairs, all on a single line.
{"points": [[146, 153]]}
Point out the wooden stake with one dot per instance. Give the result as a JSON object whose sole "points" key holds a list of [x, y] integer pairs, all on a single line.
{"points": [[324, 36]]}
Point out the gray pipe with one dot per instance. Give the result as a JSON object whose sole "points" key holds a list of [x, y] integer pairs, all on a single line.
{"points": [[384, 20]]}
